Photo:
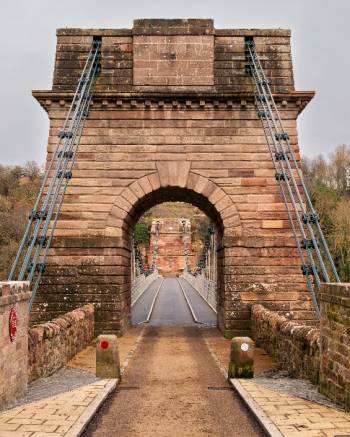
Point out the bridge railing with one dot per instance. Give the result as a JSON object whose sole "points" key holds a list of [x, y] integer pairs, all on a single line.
{"points": [[140, 284], [204, 277], [205, 287]]}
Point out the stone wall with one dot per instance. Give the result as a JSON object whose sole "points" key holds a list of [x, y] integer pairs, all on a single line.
{"points": [[335, 342], [13, 354], [53, 344], [295, 347]]}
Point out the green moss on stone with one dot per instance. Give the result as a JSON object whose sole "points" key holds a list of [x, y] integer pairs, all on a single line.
{"points": [[324, 388], [347, 401], [246, 371], [229, 333]]}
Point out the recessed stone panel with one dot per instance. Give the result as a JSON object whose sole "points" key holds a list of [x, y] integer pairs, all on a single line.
{"points": [[174, 60]]}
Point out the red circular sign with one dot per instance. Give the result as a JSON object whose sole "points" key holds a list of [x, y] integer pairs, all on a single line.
{"points": [[104, 344], [13, 324]]}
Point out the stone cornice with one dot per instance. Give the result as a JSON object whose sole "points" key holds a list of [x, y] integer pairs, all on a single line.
{"points": [[171, 100], [216, 32]]}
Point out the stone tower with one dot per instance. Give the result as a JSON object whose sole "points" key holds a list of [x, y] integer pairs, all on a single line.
{"points": [[173, 118]]}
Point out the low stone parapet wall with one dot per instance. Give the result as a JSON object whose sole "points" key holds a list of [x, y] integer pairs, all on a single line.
{"points": [[140, 284], [14, 320], [52, 344], [295, 347], [206, 288], [335, 343]]}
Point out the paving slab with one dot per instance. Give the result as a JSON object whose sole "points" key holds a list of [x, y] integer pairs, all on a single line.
{"points": [[285, 406], [295, 416], [65, 414], [64, 403]]}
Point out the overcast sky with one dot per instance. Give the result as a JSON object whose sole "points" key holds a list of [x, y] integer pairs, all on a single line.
{"points": [[320, 45]]}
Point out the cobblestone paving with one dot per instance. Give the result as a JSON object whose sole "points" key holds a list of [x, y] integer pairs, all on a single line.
{"points": [[51, 417]]}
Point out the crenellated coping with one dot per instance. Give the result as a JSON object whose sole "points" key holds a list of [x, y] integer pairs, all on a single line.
{"points": [[14, 291]]}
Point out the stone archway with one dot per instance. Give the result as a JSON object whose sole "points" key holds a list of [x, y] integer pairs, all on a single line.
{"points": [[174, 175], [173, 181]]}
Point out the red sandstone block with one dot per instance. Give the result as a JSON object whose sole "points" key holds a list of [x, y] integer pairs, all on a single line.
{"points": [[163, 172], [137, 190], [253, 182], [217, 195], [154, 180]]}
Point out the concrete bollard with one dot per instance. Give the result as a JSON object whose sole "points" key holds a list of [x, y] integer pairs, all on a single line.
{"points": [[107, 357], [242, 358]]}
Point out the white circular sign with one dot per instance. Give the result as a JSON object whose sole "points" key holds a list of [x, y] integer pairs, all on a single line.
{"points": [[244, 347]]}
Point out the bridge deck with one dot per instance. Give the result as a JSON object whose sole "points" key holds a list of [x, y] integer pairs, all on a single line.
{"points": [[173, 387], [170, 305]]}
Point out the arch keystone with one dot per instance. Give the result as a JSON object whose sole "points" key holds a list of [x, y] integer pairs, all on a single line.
{"points": [[173, 173], [184, 170], [163, 172]]}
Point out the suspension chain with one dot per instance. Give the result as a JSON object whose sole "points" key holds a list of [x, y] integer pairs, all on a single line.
{"points": [[29, 264], [185, 244], [155, 249], [139, 257], [316, 260], [206, 247]]}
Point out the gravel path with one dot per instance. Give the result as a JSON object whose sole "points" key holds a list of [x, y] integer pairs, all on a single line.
{"points": [[173, 387], [281, 382]]}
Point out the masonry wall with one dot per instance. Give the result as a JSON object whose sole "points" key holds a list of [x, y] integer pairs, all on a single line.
{"points": [[295, 347], [335, 342], [52, 344], [147, 140], [13, 355]]}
